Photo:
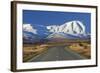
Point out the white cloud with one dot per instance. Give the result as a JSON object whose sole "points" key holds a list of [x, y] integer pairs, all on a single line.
{"points": [[29, 28]]}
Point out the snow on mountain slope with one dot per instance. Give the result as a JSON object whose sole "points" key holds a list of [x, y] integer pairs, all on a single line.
{"points": [[29, 34], [29, 37], [29, 28], [67, 36], [68, 30], [56, 35], [72, 27]]}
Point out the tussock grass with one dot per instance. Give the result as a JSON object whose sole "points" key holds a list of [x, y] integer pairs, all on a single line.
{"points": [[32, 51], [83, 49]]}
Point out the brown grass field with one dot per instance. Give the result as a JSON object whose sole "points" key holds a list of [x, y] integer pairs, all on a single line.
{"points": [[30, 51], [81, 47]]}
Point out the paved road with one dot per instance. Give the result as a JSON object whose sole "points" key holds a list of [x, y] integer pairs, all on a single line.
{"points": [[55, 54]]}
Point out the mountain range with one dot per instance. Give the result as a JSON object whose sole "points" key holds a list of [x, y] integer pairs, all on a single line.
{"points": [[68, 30]]}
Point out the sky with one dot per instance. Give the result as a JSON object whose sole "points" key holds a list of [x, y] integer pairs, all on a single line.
{"points": [[39, 19]]}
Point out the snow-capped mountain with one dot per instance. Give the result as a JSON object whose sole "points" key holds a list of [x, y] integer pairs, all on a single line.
{"points": [[68, 30], [29, 28], [29, 37], [72, 27], [30, 34]]}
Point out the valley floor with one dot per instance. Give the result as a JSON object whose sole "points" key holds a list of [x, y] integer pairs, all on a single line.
{"points": [[56, 52]]}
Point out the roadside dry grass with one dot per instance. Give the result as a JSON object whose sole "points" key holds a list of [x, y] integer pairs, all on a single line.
{"points": [[83, 49], [30, 51]]}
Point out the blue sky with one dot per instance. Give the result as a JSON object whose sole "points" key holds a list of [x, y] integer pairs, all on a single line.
{"points": [[38, 19]]}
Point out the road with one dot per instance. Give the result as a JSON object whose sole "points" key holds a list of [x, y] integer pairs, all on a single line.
{"points": [[56, 53]]}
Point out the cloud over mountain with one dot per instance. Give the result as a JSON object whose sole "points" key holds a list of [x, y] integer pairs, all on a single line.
{"points": [[29, 28]]}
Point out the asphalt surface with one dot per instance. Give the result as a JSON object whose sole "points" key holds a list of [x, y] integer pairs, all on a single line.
{"points": [[57, 53]]}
